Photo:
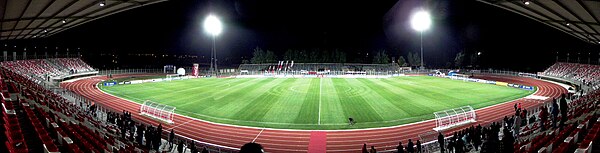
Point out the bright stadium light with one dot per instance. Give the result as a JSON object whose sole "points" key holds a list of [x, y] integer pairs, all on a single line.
{"points": [[421, 21], [213, 26]]}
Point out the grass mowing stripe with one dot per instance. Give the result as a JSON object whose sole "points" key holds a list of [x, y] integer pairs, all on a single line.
{"points": [[383, 108], [258, 107], [418, 96], [289, 103], [225, 106], [333, 112], [394, 101], [415, 103], [185, 97], [354, 106], [308, 110]]}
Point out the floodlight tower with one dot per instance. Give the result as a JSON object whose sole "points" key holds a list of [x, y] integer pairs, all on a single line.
{"points": [[213, 26], [420, 22]]}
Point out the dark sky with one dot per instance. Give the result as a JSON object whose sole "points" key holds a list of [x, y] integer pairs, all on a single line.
{"points": [[507, 40]]}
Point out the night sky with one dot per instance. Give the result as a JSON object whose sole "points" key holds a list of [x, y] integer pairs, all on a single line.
{"points": [[506, 40]]}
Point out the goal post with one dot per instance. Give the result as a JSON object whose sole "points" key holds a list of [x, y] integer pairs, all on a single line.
{"points": [[157, 111], [454, 117]]}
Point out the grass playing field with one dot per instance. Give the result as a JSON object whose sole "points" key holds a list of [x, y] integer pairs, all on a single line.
{"points": [[317, 103]]}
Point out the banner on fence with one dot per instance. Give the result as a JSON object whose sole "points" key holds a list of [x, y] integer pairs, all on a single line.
{"points": [[110, 83]]}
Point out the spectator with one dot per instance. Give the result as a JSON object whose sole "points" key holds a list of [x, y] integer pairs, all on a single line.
{"points": [[192, 147], [251, 148], [441, 141], [507, 142], [373, 150], [418, 146], [171, 137], [180, 147], [563, 110], [477, 138], [554, 113], [460, 145], [410, 146], [451, 145], [517, 126], [543, 117], [400, 148]]}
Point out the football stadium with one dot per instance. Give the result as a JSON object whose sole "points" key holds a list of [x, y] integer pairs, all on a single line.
{"points": [[101, 76]]}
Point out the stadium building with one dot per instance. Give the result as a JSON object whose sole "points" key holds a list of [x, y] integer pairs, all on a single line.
{"points": [[58, 96]]}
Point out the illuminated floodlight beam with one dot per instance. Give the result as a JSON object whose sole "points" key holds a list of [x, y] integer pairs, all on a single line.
{"points": [[421, 21], [213, 26]]}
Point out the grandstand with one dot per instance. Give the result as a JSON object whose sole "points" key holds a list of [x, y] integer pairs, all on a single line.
{"points": [[579, 73], [55, 69]]}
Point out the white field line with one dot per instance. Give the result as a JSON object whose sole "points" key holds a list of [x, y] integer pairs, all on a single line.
{"points": [[320, 89]]}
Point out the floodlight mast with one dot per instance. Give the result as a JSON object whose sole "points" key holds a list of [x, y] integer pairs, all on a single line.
{"points": [[213, 26], [421, 21]]}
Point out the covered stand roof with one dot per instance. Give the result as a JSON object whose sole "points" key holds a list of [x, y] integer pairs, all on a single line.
{"points": [[27, 19], [579, 18]]}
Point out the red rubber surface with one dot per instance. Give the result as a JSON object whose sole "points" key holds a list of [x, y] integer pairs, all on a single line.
{"points": [[274, 140]]}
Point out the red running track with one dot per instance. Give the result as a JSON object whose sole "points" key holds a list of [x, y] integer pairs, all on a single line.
{"points": [[275, 140]]}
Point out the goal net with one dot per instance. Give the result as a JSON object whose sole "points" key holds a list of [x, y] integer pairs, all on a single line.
{"points": [[157, 111], [454, 117]]}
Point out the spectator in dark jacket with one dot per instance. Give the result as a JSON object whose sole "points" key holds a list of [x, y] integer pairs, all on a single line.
{"points": [[554, 113], [418, 146], [171, 137], [400, 148], [180, 147], [563, 110], [410, 146], [251, 148], [441, 141]]}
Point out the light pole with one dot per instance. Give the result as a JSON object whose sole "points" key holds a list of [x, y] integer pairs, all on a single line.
{"points": [[421, 21], [213, 26]]}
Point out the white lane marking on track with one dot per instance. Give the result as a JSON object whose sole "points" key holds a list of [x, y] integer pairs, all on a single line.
{"points": [[180, 125], [256, 135]]}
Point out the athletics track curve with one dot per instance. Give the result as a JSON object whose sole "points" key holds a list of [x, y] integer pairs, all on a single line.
{"points": [[275, 140]]}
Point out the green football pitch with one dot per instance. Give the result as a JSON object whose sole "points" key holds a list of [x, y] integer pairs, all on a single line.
{"points": [[317, 103]]}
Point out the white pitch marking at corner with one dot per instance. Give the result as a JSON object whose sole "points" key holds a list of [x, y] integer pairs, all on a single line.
{"points": [[320, 89]]}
